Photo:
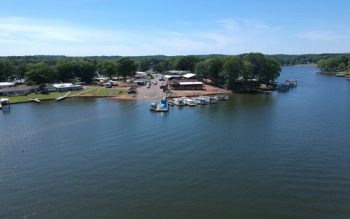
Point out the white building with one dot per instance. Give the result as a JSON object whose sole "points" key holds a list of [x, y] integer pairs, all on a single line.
{"points": [[6, 84], [67, 87]]}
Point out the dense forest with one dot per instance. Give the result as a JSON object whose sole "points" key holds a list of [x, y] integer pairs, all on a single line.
{"points": [[334, 64], [221, 69]]}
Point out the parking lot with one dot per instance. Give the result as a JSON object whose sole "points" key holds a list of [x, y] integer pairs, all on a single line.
{"points": [[153, 92]]}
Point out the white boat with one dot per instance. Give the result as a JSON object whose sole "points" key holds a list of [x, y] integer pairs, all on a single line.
{"points": [[153, 107], [211, 100], [162, 106], [340, 75], [291, 83], [201, 101], [221, 97], [5, 104], [179, 101], [190, 101]]}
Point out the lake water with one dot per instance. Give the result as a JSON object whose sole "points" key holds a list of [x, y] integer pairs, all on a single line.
{"points": [[285, 155]]}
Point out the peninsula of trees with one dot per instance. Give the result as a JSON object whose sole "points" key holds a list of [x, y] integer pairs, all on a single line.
{"points": [[334, 64]]}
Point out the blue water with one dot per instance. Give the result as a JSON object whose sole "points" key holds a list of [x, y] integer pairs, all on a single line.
{"points": [[284, 155]]}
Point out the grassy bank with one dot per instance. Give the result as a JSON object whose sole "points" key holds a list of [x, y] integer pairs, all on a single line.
{"points": [[49, 96], [89, 91], [104, 92]]}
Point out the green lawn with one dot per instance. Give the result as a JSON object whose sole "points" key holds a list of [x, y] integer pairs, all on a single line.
{"points": [[49, 96], [90, 91], [105, 92]]}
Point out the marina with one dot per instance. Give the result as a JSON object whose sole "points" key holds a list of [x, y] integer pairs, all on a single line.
{"points": [[272, 149]]}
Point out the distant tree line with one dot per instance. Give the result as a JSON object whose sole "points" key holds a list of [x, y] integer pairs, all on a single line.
{"points": [[64, 69], [335, 64], [304, 59], [221, 69]]}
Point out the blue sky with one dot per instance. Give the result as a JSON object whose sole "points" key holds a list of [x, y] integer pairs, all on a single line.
{"points": [[177, 27]]}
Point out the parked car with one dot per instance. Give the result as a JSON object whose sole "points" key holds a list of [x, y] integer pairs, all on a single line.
{"points": [[132, 90], [108, 85], [163, 85]]}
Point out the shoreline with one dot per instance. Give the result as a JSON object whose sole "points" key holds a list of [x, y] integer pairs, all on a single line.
{"points": [[128, 97]]}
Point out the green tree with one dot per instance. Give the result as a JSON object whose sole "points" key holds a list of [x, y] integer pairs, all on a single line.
{"points": [[66, 69], [163, 66], [186, 63], [126, 67], [254, 65], [39, 73], [85, 70], [233, 68], [214, 69], [20, 71], [271, 71], [108, 68], [202, 68], [6, 70], [144, 65]]}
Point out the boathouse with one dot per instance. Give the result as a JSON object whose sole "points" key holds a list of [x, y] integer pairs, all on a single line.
{"points": [[186, 85]]}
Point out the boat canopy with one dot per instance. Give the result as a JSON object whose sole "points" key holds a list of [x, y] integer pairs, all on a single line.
{"points": [[191, 83]]}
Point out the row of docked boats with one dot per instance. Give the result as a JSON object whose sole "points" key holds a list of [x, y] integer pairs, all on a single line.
{"points": [[201, 100], [163, 105]]}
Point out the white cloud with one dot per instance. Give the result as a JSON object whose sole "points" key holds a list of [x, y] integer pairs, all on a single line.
{"points": [[26, 36]]}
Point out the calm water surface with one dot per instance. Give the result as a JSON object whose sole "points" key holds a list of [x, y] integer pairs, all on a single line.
{"points": [[284, 155]]}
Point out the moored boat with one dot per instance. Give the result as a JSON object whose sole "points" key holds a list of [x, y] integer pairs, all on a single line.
{"points": [[163, 106], [201, 101], [153, 106], [282, 88], [179, 101], [190, 101], [5, 104], [220, 97], [291, 83], [340, 75], [212, 99]]}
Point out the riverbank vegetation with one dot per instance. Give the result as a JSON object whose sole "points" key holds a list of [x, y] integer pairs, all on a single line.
{"points": [[334, 64]]}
